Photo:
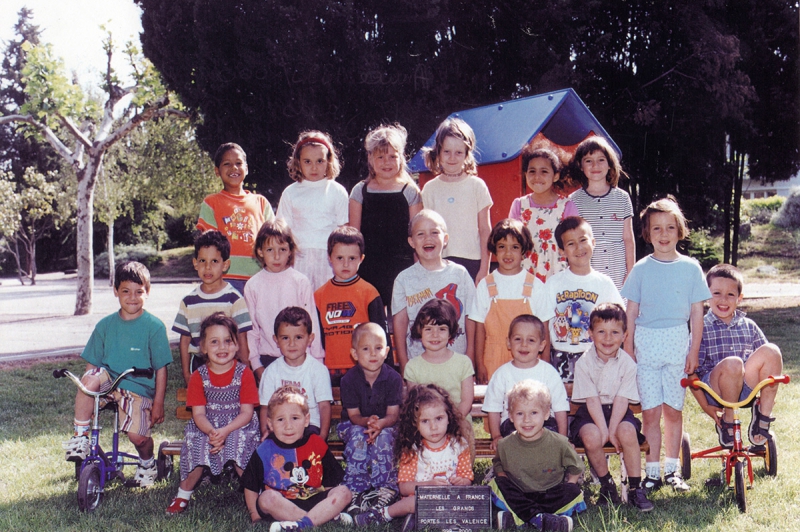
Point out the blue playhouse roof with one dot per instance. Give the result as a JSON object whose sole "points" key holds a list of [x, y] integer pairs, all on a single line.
{"points": [[503, 129]]}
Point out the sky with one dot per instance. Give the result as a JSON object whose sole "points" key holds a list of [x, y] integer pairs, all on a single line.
{"points": [[73, 28]]}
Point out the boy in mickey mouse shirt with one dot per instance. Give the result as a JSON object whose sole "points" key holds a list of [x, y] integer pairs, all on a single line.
{"points": [[292, 478]]}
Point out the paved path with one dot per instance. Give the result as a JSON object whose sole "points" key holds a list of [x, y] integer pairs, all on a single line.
{"points": [[37, 321]]}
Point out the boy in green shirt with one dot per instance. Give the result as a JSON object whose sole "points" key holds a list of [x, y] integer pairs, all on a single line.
{"points": [[131, 337], [536, 470]]}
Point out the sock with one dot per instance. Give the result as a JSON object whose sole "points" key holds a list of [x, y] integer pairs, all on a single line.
{"points": [[653, 469], [671, 465], [607, 479], [305, 523], [147, 464], [81, 427], [184, 494], [385, 514], [634, 482]]}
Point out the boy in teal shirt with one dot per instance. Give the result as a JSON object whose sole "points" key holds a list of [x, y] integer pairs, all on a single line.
{"points": [[131, 337]]}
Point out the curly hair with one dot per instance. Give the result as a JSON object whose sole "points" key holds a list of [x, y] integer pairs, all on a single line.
{"points": [[408, 440]]}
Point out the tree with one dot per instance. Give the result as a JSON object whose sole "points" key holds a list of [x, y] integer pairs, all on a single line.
{"points": [[57, 108], [673, 82], [29, 212], [159, 170]]}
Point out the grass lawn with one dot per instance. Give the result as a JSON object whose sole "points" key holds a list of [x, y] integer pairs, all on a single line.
{"points": [[37, 487]]}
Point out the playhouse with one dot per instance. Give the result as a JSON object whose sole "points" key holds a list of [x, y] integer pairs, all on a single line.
{"points": [[557, 118]]}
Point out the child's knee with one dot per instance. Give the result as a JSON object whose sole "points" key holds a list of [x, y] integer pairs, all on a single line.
{"points": [[268, 499], [340, 495], [92, 382], [590, 435], [138, 440], [626, 432], [730, 368]]}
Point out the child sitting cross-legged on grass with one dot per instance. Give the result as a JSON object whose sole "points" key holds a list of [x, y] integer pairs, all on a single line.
{"points": [[536, 470], [734, 357], [433, 448], [293, 478], [605, 382]]}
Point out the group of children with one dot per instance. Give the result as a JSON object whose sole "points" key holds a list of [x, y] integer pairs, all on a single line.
{"points": [[293, 304]]}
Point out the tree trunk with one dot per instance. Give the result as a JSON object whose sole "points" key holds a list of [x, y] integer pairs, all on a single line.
{"points": [[110, 250], [737, 205], [728, 192], [19, 264], [87, 177]]}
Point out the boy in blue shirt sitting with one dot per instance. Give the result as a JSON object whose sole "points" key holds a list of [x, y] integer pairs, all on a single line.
{"points": [[131, 337]]}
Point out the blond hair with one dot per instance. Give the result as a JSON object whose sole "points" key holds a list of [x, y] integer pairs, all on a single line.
{"points": [[529, 390]]}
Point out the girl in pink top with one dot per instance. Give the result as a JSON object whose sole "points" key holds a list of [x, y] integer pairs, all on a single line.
{"points": [[541, 210], [274, 288]]}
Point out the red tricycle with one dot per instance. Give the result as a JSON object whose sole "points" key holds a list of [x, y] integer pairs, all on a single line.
{"points": [[735, 459]]}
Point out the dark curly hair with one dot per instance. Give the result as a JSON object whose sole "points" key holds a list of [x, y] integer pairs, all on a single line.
{"points": [[408, 440]]}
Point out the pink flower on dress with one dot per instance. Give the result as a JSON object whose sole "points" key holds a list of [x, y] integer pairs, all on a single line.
{"points": [[526, 215], [545, 234], [539, 221]]}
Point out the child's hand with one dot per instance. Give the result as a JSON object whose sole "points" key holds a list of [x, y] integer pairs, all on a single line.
{"points": [[157, 413], [460, 481], [373, 429], [495, 439], [482, 374], [692, 361], [612, 437]]}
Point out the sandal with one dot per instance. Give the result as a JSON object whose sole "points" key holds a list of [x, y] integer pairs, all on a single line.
{"points": [[759, 426], [725, 434]]}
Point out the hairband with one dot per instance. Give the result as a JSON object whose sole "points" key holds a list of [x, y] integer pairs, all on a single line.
{"points": [[313, 140]]}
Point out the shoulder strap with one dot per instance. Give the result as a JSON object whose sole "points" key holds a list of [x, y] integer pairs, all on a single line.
{"points": [[527, 287], [491, 286]]}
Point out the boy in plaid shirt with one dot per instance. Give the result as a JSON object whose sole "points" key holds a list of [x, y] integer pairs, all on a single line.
{"points": [[734, 357]]}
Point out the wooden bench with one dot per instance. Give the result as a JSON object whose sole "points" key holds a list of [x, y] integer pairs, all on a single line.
{"points": [[482, 445]]}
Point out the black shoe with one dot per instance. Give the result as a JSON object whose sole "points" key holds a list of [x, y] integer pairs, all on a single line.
{"points": [[505, 521], [638, 499], [556, 523], [609, 494], [651, 484]]}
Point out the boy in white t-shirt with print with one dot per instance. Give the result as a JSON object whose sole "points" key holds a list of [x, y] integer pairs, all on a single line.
{"points": [[295, 368], [573, 293], [431, 277]]}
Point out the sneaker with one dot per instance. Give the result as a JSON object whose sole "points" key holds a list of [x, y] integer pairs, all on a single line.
{"points": [[609, 494], [677, 483], [725, 434], [343, 519], [144, 477], [77, 448], [556, 523], [651, 484], [409, 523], [385, 497], [355, 504], [280, 526], [638, 499], [505, 520], [177, 506], [373, 516]]}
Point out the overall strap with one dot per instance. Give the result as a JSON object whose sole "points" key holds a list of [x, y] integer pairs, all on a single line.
{"points": [[527, 287], [491, 286]]}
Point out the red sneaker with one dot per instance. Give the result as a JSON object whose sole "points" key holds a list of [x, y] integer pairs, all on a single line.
{"points": [[177, 506]]}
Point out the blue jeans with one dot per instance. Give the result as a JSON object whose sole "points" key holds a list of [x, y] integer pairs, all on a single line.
{"points": [[368, 465]]}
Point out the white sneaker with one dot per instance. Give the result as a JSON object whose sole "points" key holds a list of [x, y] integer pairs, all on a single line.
{"points": [[144, 477], [77, 448]]}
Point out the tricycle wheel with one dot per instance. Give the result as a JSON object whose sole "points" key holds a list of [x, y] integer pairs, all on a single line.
{"points": [[90, 490], [771, 457], [164, 463], [739, 487], [686, 457]]}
